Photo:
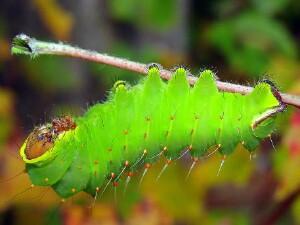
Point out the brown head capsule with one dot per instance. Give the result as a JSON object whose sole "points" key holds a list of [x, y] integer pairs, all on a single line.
{"points": [[41, 139], [38, 142]]}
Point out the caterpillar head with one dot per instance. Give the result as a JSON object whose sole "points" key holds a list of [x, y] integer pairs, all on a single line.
{"points": [[40, 141]]}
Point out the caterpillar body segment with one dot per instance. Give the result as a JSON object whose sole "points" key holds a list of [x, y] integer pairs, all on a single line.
{"points": [[138, 124]]}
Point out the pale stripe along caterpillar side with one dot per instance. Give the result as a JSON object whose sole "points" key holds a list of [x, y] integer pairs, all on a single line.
{"points": [[138, 124]]}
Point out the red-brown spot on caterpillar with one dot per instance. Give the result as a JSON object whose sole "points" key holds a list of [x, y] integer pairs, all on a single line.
{"points": [[115, 184], [112, 175], [195, 159], [147, 165], [130, 174], [168, 161], [126, 163], [190, 147]]}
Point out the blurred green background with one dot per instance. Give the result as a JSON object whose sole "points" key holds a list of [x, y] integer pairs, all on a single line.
{"points": [[243, 41]]}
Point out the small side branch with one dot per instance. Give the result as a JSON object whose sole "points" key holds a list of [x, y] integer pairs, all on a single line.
{"points": [[25, 45]]}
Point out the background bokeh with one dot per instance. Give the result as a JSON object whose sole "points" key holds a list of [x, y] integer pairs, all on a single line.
{"points": [[243, 41]]}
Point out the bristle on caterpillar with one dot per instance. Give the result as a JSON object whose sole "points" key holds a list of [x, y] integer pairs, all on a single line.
{"points": [[138, 124]]}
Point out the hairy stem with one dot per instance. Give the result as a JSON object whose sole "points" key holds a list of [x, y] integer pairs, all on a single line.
{"points": [[23, 44]]}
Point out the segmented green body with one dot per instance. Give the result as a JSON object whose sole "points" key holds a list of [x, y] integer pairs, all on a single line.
{"points": [[155, 118]]}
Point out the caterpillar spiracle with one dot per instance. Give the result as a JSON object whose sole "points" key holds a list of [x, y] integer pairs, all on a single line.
{"points": [[138, 124]]}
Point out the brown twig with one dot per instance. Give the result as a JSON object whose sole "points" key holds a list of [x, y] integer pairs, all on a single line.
{"points": [[23, 44]]}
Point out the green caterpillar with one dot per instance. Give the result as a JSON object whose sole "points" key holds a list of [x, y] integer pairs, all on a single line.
{"points": [[138, 124]]}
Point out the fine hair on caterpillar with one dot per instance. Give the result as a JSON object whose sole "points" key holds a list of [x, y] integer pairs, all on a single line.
{"points": [[138, 125]]}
